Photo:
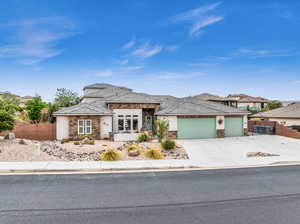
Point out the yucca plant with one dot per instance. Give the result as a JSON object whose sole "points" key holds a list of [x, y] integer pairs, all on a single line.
{"points": [[162, 129]]}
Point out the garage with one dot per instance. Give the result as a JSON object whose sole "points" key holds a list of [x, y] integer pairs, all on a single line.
{"points": [[193, 128], [234, 126]]}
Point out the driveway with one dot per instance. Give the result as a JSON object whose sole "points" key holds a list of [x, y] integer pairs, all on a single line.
{"points": [[232, 151]]}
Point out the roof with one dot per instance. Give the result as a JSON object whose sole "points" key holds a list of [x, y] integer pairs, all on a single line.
{"points": [[103, 86], [290, 111], [246, 98], [192, 106], [169, 105], [97, 107]]}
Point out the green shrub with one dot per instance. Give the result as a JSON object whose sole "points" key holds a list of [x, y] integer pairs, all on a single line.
{"points": [[168, 144], [133, 147], [110, 155], [162, 129], [77, 143], [143, 137], [153, 154]]}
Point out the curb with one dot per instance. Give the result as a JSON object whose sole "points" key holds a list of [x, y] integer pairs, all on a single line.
{"points": [[135, 170]]}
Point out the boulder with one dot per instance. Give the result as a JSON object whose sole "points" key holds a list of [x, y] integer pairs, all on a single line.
{"points": [[133, 153], [10, 136], [22, 142]]}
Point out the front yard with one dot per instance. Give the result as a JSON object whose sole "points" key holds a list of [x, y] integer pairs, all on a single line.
{"points": [[27, 150]]}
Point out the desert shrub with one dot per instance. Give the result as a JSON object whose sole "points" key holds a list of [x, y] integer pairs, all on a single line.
{"points": [[110, 155], [133, 147], [168, 144], [91, 142], [162, 129], [77, 143], [153, 154], [143, 137]]}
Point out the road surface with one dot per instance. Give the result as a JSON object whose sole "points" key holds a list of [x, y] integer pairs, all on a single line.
{"points": [[253, 195]]}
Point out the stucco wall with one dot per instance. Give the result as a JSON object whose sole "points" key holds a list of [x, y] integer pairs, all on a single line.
{"points": [[62, 127], [172, 121], [286, 122]]}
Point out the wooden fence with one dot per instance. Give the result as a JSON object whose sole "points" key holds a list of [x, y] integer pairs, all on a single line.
{"points": [[42, 131]]}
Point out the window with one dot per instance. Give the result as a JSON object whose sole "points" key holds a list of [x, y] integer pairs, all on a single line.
{"points": [[85, 127], [135, 122], [127, 123], [88, 127], [121, 123]]}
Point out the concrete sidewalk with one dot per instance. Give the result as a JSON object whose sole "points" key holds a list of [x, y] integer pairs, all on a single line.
{"points": [[95, 165]]}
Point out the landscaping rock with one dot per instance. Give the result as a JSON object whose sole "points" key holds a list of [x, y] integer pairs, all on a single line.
{"points": [[10, 136], [133, 153], [260, 154], [22, 142]]}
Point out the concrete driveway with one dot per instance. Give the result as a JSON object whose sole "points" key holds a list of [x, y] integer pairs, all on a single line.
{"points": [[232, 151]]}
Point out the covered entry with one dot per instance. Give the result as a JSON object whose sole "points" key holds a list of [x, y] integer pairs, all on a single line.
{"points": [[234, 126], [196, 128]]}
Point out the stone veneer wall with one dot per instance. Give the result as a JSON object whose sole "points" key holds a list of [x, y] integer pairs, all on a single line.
{"points": [[172, 134], [220, 133], [133, 106], [73, 126]]}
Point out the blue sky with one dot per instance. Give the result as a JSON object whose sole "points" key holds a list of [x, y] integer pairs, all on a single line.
{"points": [[162, 47]]}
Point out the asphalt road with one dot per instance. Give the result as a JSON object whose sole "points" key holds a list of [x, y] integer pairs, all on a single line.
{"points": [[255, 195]]}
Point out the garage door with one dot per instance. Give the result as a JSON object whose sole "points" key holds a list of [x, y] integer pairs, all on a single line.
{"points": [[234, 126], [196, 128]]}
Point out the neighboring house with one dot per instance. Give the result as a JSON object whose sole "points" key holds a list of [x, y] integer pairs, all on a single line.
{"points": [[118, 113], [288, 116], [286, 103], [241, 101]]}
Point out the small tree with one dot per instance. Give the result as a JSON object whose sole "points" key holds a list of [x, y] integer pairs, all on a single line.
{"points": [[7, 120], [63, 98], [274, 105], [66, 98], [34, 109], [162, 129]]}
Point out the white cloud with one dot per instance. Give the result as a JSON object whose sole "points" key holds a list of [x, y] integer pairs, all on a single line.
{"points": [[132, 68], [146, 50], [174, 75], [35, 40], [129, 44], [104, 73], [171, 48], [123, 62], [199, 18], [297, 82], [262, 53]]}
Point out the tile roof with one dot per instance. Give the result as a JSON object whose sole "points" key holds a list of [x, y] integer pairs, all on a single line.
{"points": [[169, 105], [97, 107], [290, 111]]}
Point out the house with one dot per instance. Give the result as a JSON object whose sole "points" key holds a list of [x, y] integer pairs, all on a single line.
{"points": [[288, 115], [120, 114], [241, 101]]}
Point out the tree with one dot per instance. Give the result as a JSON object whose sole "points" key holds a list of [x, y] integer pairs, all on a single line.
{"points": [[63, 98], [34, 109], [66, 98], [274, 105], [162, 129], [7, 120], [10, 99]]}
